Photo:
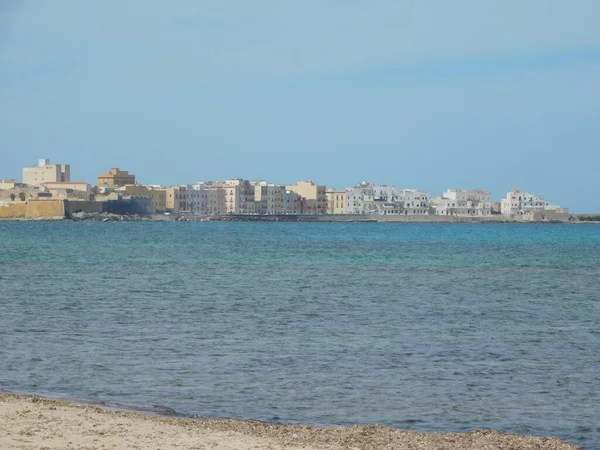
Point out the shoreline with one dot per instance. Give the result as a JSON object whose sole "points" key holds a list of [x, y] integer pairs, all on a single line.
{"points": [[38, 422], [295, 219]]}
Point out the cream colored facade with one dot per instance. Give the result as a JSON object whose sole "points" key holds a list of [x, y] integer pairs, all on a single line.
{"points": [[336, 201], [74, 189], [8, 184], [158, 196], [216, 200], [115, 178], [274, 199], [173, 199], [316, 197], [45, 172]]}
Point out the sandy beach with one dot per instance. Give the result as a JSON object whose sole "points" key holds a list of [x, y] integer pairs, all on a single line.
{"points": [[38, 423]]}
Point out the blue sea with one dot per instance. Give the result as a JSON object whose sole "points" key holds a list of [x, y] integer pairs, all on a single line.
{"points": [[436, 327]]}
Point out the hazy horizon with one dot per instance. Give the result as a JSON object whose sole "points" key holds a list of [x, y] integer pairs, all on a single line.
{"points": [[429, 96]]}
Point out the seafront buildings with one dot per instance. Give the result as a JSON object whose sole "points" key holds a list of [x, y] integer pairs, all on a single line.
{"points": [[463, 203], [118, 190], [367, 198], [314, 195], [519, 203]]}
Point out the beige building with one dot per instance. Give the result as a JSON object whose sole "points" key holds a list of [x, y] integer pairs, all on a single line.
{"points": [[158, 196], [45, 172], [315, 196], [73, 189], [336, 201], [174, 199], [216, 200], [115, 178], [9, 184], [275, 199]]}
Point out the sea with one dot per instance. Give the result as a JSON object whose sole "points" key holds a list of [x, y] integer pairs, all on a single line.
{"points": [[423, 326]]}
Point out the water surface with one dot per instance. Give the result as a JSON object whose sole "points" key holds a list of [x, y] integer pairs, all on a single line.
{"points": [[449, 327]]}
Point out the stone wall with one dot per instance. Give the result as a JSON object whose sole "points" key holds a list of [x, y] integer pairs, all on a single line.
{"points": [[13, 210], [45, 208], [75, 206]]}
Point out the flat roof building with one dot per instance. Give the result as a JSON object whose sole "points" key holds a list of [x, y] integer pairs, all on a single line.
{"points": [[45, 172], [115, 178]]}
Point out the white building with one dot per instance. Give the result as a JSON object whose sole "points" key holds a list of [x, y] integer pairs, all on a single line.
{"points": [[463, 203], [415, 202], [45, 172], [518, 203], [367, 198]]}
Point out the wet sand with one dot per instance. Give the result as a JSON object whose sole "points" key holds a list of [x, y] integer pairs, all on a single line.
{"points": [[38, 423]]}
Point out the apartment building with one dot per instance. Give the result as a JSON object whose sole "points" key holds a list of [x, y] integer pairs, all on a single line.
{"points": [[239, 196], [415, 202], [216, 200], [367, 198], [197, 199], [315, 196], [336, 201], [275, 199], [518, 203], [45, 172], [463, 203], [115, 178], [360, 199]]}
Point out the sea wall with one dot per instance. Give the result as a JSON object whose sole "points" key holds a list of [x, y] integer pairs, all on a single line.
{"points": [[132, 205], [13, 210], [45, 208], [76, 206]]}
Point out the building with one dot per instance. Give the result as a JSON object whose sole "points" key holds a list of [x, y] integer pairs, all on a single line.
{"points": [[45, 172], [336, 201], [360, 199], [268, 198], [315, 196], [9, 184], [158, 196], [216, 200], [175, 199], [68, 190], [463, 203], [115, 178], [414, 201], [275, 199], [367, 198], [518, 203], [197, 199]]}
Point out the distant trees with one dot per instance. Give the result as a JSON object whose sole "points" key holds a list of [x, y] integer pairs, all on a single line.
{"points": [[22, 196], [12, 197]]}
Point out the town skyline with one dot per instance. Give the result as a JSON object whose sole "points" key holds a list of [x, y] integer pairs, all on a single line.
{"points": [[426, 95], [134, 173], [119, 190]]}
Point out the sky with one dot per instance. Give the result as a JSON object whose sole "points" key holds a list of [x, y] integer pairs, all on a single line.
{"points": [[430, 95]]}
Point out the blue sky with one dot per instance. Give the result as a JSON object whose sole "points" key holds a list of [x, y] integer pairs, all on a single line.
{"points": [[432, 95]]}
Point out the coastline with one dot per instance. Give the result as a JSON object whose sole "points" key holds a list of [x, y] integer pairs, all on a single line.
{"points": [[34, 422], [326, 218]]}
